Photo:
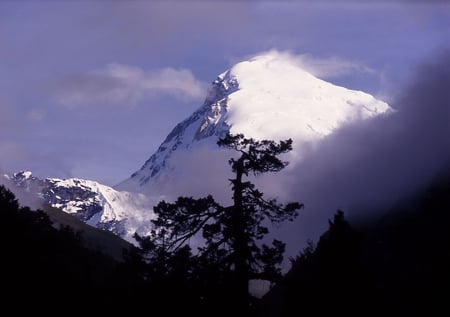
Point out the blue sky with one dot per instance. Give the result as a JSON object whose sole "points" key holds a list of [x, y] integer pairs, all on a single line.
{"points": [[90, 89]]}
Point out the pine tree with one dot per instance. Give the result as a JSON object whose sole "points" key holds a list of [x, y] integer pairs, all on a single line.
{"points": [[231, 234]]}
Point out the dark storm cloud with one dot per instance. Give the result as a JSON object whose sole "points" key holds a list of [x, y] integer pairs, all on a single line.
{"points": [[375, 164], [361, 168]]}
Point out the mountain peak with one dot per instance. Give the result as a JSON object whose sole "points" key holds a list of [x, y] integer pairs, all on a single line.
{"points": [[278, 99], [267, 97]]}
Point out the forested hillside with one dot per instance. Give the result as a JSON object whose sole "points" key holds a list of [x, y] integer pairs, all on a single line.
{"points": [[396, 264]]}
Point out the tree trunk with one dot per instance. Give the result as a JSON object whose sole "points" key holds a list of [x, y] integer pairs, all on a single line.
{"points": [[240, 246]]}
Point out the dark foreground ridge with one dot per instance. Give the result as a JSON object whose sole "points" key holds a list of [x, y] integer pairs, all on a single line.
{"points": [[396, 265]]}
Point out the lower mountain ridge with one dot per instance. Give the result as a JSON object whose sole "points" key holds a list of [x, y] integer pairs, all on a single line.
{"points": [[122, 213]]}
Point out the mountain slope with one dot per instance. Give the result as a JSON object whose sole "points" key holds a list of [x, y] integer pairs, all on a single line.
{"points": [[268, 97], [100, 206], [93, 238]]}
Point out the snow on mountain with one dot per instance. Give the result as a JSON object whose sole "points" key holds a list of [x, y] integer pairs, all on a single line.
{"points": [[110, 210], [122, 213], [267, 97]]}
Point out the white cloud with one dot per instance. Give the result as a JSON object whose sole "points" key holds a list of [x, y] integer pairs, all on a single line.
{"points": [[332, 66], [123, 85], [329, 67]]}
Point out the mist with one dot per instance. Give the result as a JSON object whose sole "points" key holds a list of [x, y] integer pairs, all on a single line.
{"points": [[26, 197], [370, 166], [362, 168]]}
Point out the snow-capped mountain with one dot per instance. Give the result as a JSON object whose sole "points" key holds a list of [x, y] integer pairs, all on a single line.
{"points": [[122, 213], [267, 97]]}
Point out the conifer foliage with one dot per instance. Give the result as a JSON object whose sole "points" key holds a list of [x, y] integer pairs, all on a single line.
{"points": [[232, 234]]}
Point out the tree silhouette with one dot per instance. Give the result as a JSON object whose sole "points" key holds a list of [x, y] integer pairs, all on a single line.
{"points": [[46, 265], [231, 234], [331, 273]]}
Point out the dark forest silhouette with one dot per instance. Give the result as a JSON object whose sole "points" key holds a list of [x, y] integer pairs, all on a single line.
{"points": [[397, 264]]}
